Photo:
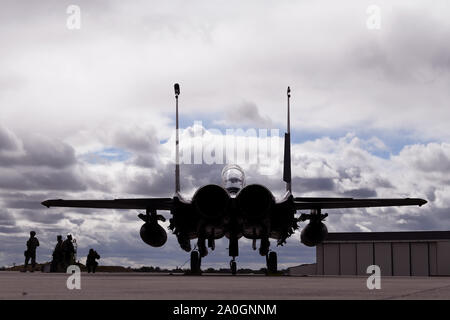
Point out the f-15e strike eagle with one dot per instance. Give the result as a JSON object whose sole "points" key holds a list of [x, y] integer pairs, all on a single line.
{"points": [[234, 210]]}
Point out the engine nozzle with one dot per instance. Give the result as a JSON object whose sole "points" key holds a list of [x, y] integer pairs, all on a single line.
{"points": [[255, 201], [211, 201]]}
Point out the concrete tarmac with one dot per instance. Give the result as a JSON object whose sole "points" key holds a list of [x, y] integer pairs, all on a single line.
{"points": [[17, 285]]}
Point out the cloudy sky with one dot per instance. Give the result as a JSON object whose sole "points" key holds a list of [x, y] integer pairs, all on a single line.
{"points": [[88, 112]]}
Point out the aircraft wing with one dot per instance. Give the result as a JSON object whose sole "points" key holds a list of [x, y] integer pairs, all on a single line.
{"points": [[340, 203], [140, 203]]}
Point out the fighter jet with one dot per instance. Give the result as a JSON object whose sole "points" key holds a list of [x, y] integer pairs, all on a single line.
{"points": [[234, 210]]}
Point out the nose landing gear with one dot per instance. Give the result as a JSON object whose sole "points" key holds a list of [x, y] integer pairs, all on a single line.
{"points": [[233, 251], [233, 266]]}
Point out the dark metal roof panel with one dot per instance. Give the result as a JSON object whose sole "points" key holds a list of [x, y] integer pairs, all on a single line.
{"points": [[388, 236]]}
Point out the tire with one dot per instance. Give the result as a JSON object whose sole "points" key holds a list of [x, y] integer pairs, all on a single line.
{"points": [[195, 262], [272, 263], [233, 267]]}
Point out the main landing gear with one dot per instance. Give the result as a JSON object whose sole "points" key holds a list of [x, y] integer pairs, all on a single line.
{"points": [[196, 262], [271, 258], [271, 261]]}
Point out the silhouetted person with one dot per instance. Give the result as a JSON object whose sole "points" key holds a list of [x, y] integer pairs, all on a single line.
{"points": [[30, 253], [91, 264], [68, 251], [57, 255]]}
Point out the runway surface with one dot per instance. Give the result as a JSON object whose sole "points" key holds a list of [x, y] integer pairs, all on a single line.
{"points": [[16, 285]]}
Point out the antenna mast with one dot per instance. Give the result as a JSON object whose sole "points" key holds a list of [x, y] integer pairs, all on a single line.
{"points": [[177, 141], [287, 146]]}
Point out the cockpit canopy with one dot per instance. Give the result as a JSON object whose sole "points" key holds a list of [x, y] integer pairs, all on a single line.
{"points": [[233, 178]]}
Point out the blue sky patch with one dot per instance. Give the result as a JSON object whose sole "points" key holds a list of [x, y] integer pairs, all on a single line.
{"points": [[105, 155]]}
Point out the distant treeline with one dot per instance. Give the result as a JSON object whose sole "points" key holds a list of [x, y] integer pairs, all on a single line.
{"points": [[149, 269], [208, 270]]}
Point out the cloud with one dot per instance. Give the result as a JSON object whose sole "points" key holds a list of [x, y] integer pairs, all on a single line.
{"points": [[8, 142], [433, 157], [302, 185], [38, 180], [115, 234], [22, 200], [363, 228], [6, 218], [137, 139], [40, 216], [369, 112], [322, 167], [245, 114], [361, 193], [34, 150]]}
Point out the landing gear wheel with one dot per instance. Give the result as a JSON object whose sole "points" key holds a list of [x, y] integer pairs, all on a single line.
{"points": [[195, 262], [233, 267], [272, 262], [233, 250]]}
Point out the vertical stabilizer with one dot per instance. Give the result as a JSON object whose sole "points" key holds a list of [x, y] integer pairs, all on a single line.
{"points": [[177, 142], [287, 147]]}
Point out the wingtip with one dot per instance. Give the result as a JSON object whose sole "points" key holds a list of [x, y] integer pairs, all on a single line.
{"points": [[45, 203], [422, 202]]}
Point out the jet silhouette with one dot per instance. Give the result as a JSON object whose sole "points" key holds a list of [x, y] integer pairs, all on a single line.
{"points": [[234, 210]]}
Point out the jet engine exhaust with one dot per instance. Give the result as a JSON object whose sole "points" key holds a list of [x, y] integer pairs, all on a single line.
{"points": [[314, 233], [255, 200], [153, 234], [211, 201]]}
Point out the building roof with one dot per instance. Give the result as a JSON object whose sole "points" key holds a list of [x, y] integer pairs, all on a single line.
{"points": [[388, 236]]}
